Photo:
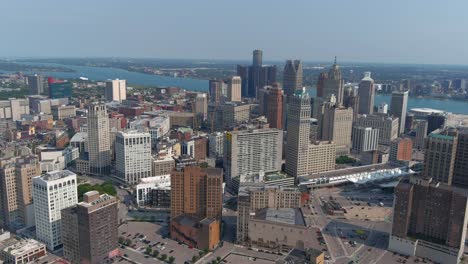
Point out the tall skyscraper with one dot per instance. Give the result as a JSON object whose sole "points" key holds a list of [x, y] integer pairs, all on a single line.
{"points": [[440, 155], [421, 133], [274, 106], [251, 152], [200, 107], [16, 204], [116, 90], [89, 229], [53, 192], [98, 139], [351, 99], [256, 76], [133, 156], [292, 76], [336, 124], [257, 58], [460, 173], [401, 149], [298, 134], [366, 94], [216, 90], [323, 76], [59, 88], [435, 121], [234, 89], [398, 107], [388, 126], [365, 139], [243, 73], [36, 84], [332, 84]]}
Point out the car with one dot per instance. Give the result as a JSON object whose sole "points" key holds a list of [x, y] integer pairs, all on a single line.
{"points": [[369, 249], [190, 247], [125, 255], [171, 251]]}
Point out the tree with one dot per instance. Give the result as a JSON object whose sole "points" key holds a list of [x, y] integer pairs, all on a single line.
{"points": [[201, 254], [163, 257], [121, 240], [148, 250], [218, 259], [171, 259], [128, 242], [155, 253], [194, 259]]}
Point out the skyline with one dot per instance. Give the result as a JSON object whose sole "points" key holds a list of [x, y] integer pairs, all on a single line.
{"points": [[433, 31]]}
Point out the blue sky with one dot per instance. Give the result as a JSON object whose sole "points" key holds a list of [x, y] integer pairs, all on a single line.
{"points": [[393, 31]]}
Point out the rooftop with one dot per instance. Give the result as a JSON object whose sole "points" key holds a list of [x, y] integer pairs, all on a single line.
{"points": [[23, 246], [57, 174], [290, 216]]}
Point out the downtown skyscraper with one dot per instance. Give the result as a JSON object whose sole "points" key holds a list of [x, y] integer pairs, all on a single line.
{"points": [[331, 83], [257, 76], [292, 76], [398, 108], [98, 139], [366, 95]]}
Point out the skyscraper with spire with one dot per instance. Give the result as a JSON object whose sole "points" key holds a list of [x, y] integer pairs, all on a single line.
{"points": [[331, 84], [292, 76]]}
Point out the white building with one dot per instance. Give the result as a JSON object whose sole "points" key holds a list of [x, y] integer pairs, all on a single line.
{"points": [[383, 108], [53, 159], [116, 90], [365, 139], [216, 145], [143, 189], [53, 192], [133, 155]]}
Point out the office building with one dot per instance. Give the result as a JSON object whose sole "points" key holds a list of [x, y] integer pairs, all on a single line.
{"points": [[401, 149], [116, 90], [292, 77], [253, 198], [256, 76], [36, 84], [274, 106], [133, 156], [351, 99], [234, 89], [162, 166], [228, 115], [398, 107], [365, 139], [216, 145], [216, 89], [60, 89], [98, 139], [331, 84], [23, 251], [196, 206], [61, 112], [89, 229], [243, 73], [303, 255], [435, 121], [388, 126], [13, 108], [429, 220], [383, 108], [252, 151], [52, 192], [16, 203], [144, 190], [201, 105], [421, 133], [321, 157], [460, 173], [366, 94], [336, 124], [440, 155]]}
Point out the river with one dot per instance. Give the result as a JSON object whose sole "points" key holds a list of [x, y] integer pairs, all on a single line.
{"points": [[101, 74]]}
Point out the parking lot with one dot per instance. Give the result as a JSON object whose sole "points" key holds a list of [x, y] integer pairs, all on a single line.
{"points": [[143, 235]]}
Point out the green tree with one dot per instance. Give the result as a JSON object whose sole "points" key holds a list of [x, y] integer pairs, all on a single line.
{"points": [[201, 254], [148, 250], [194, 259], [121, 240], [163, 257], [218, 259], [128, 242], [155, 253], [171, 259]]}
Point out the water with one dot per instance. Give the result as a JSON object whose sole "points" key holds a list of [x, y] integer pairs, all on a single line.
{"points": [[101, 74]]}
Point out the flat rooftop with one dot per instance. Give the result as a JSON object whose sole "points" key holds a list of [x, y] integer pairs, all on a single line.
{"points": [[290, 216], [23, 246], [57, 174], [352, 170]]}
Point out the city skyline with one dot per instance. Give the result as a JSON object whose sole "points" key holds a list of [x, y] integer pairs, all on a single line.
{"points": [[427, 33]]}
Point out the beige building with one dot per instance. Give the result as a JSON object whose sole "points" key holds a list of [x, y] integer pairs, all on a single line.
{"points": [[200, 107], [321, 157], [228, 115], [13, 108], [16, 191], [336, 125], [387, 125], [234, 89], [63, 111], [116, 90], [162, 166], [99, 145], [24, 251]]}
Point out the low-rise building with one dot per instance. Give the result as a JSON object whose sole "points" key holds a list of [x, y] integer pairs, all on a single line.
{"points": [[24, 251]]}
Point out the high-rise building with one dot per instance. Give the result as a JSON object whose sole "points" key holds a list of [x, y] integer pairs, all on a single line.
{"points": [[429, 220], [365, 139], [382, 108], [321, 157], [336, 124], [133, 156], [274, 106], [351, 99], [228, 115], [421, 133], [13, 108], [256, 76], [366, 94], [216, 145], [89, 229], [234, 89], [388, 126], [216, 90], [196, 206], [53, 192], [440, 155], [401, 149], [201, 105], [298, 133], [460, 173], [98, 139], [59, 89], [331, 84], [16, 204], [292, 76], [435, 121], [243, 73], [398, 107], [252, 151], [116, 90], [257, 58], [36, 84]]}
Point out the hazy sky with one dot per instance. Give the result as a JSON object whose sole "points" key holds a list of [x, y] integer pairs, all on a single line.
{"points": [[394, 31]]}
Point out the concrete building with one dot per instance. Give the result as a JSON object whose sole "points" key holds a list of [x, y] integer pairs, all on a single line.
{"points": [[116, 90], [303, 255], [217, 91], [274, 107], [336, 124], [200, 107], [421, 133], [388, 126], [228, 115], [257, 76], [23, 251], [292, 76], [429, 220], [351, 99], [252, 151], [146, 185], [63, 111], [401, 149], [331, 83], [162, 166], [383, 108], [89, 229], [13, 108], [365, 139], [460, 175], [234, 89], [253, 198], [16, 203], [399, 107], [440, 155], [133, 156], [52, 192], [36, 84], [366, 95], [321, 157], [98, 139], [216, 145]]}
